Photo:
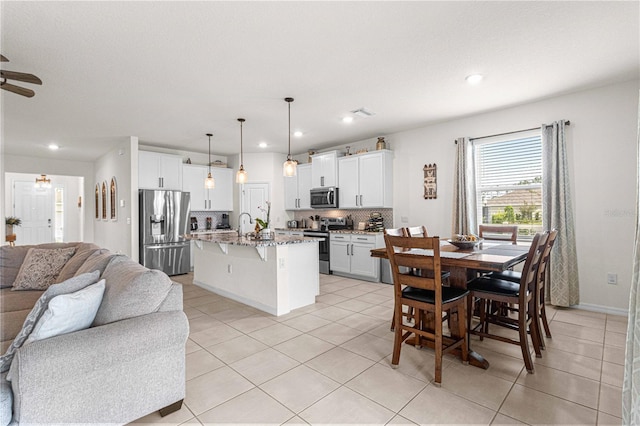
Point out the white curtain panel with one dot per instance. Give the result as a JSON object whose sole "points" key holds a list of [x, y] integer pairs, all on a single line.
{"points": [[464, 190], [631, 382], [558, 213]]}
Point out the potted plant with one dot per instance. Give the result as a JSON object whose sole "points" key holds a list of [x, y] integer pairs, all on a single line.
{"points": [[10, 222]]}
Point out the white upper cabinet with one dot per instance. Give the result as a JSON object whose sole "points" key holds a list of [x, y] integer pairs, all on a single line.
{"points": [[297, 189], [159, 171], [193, 182], [366, 180], [219, 198], [324, 169]]}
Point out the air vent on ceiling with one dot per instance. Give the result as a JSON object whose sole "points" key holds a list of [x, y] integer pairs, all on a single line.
{"points": [[363, 112]]}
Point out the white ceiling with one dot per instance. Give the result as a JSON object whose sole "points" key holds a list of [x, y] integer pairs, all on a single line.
{"points": [[169, 72]]}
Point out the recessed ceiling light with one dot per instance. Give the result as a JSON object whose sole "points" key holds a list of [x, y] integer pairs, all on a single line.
{"points": [[53, 146], [297, 134], [474, 78], [347, 119], [262, 144]]}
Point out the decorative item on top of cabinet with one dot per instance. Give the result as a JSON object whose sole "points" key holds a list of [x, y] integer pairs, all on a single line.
{"points": [[430, 181], [381, 144]]}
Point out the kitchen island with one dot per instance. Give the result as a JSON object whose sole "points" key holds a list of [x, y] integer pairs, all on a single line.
{"points": [[274, 276]]}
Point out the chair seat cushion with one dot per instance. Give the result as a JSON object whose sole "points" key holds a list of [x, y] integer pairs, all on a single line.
{"points": [[449, 294], [494, 286], [513, 276]]}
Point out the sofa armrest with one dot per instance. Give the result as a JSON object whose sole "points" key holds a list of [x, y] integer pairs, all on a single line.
{"points": [[116, 372]]}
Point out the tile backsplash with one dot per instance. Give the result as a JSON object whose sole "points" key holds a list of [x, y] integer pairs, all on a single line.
{"points": [[360, 215], [216, 217]]}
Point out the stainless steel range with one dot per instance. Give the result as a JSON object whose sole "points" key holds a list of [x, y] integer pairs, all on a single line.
{"points": [[326, 224], [323, 248]]}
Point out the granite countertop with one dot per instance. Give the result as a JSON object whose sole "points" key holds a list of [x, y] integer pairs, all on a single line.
{"points": [[335, 231], [213, 231], [233, 239]]}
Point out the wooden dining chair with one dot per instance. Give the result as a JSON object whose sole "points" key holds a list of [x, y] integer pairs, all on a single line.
{"points": [[499, 232], [487, 290], [425, 294], [543, 279]]}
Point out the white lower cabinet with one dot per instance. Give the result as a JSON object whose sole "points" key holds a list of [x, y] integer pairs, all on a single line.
{"points": [[350, 255], [287, 233]]}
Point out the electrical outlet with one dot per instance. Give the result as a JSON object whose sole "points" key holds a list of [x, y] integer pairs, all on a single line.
{"points": [[612, 278]]}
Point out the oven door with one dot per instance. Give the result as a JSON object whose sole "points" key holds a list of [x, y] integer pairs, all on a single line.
{"points": [[323, 244]]}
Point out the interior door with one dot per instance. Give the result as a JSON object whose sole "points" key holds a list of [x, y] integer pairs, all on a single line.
{"points": [[35, 207], [254, 197]]}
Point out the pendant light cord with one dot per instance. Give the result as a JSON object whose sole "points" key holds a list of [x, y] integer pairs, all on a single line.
{"points": [[241, 154], [209, 134], [289, 100]]}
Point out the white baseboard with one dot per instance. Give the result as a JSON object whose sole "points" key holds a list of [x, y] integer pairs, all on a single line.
{"points": [[603, 309]]}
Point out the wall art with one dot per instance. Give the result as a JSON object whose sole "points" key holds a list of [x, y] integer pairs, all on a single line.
{"points": [[430, 181]]}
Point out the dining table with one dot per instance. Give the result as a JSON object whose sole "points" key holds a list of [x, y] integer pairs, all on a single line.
{"points": [[465, 264]]}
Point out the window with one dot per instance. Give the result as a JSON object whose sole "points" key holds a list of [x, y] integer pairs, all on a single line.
{"points": [[509, 181]]}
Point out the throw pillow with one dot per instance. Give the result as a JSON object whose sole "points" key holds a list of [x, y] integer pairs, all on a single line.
{"points": [[83, 251], [41, 267], [70, 286], [68, 313], [98, 261], [11, 259], [132, 290]]}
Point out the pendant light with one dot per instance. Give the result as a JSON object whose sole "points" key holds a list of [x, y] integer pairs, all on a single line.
{"points": [[289, 167], [241, 176], [209, 182]]}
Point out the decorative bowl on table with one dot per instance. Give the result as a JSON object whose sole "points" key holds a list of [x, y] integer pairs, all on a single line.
{"points": [[465, 242]]}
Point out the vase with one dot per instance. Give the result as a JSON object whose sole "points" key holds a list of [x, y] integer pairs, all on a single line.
{"points": [[9, 230], [266, 234]]}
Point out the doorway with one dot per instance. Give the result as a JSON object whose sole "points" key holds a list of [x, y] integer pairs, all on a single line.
{"points": [[52, 214], [253, 197], [35, 207]]}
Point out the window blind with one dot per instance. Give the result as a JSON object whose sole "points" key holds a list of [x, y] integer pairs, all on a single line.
{"points": [[516, 163]]}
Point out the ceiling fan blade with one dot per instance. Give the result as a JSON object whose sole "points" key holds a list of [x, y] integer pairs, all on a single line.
{"points": [[20, 76], [3, 59], [19, 90]]}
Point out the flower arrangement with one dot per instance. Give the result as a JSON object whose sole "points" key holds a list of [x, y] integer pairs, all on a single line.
{"points": [[13, 221], [263, 224]]}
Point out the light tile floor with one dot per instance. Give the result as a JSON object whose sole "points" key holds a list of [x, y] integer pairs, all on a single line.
{"points": [[329, 363]]}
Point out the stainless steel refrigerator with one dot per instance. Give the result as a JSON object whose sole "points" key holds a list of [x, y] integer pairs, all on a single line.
{"points": [[164, 220]]}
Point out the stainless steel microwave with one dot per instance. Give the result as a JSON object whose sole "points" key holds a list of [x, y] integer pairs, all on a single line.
{"points": [[324, 198]]}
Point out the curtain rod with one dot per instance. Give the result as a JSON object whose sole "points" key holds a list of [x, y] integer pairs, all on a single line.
{"points": [[567, 123]]}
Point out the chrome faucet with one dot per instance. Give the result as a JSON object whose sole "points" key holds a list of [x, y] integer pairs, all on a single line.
{"points": [[239, 216]]}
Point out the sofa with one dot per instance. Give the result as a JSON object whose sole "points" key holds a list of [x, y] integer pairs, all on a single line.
{"points": [[120, 357]]}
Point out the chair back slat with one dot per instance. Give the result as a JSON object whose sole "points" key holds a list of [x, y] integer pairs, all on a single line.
{"points": [[416, 231], [546, 256], [499, 232], [396, 232]]}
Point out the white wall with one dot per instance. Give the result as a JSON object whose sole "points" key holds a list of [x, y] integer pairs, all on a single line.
{"points": [[118, 235], [263, 167], [53, 166], [602, 158]]}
